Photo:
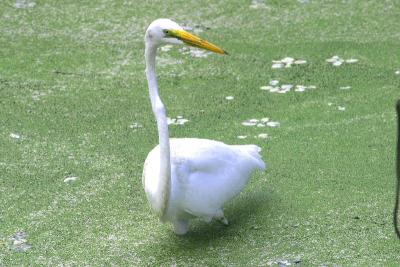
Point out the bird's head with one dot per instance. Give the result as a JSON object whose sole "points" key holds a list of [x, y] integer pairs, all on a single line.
{"points": [[166, 31]]}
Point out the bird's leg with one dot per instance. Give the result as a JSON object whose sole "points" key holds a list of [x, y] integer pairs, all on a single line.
{"points": [[181, 227], [221, 217]]}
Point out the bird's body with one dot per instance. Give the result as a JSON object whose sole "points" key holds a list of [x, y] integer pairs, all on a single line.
{"points": [[205, 174], [189, 177]]}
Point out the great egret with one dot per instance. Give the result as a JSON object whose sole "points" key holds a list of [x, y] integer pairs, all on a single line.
{"points": [[189, 177]]}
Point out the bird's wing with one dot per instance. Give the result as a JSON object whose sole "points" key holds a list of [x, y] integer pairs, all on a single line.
{"points": [[211, 173]]}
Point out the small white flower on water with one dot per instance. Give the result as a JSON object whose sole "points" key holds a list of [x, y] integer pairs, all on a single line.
{"points": [[341, 108], [266, 87], [286, 86], [300, 62], [283, 91], [397, 72], [277, 65], [273, 124], [300, 88], [24, 3], [170, 121], [288, 60], [345, 87], [288, 65], [351, 60], [334, 59], [229, 97], [15, 135], [273, 82], [135, 125], [179, 120], [19, 242], [337, 63], [260, 123], [166, 48], [242, 136], [247, 123], [263, 136], [70, 179], [257, 4]]}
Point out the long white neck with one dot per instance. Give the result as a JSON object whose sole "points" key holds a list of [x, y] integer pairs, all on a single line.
{"points": [[164, 182]]}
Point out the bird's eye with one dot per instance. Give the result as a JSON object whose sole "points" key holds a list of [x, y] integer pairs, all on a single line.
{"points": [[166, 32]]}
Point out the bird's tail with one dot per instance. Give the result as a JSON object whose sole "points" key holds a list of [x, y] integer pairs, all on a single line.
{"points": [[254, 152]]}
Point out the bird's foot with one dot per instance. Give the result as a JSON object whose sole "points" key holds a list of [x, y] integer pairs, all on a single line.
{"points": [[181, 227], [224, 220], [221, 217]]}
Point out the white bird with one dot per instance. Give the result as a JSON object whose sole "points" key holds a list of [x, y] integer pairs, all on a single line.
{"points": [[189, 177]]}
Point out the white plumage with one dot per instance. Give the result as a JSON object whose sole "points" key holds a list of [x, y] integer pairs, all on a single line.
{"points": [[189, 177]]}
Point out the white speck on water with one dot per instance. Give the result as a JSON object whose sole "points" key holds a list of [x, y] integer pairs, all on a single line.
{"points": [[70, 179], [330, 103], [257, 4], [247, 123], [135, 125], [273, 124], [261, 123], [285, 88], [277, 65], [340, 108], [283, 91], [263, 136], [351, 60], [300, 62], [288, 65], [397, 72], [273, 82], [287, 60], [337, 63], [229, 97], [179, 120], [300, 88], [334, 59], [20, 242], [266, 87], [166, 48], [242, 136], [194, 52], [24, 3], [15, 135], [170, 121], [345, 87]]}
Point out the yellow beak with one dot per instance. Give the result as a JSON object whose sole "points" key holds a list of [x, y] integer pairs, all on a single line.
{"points": [[196, 41]]}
